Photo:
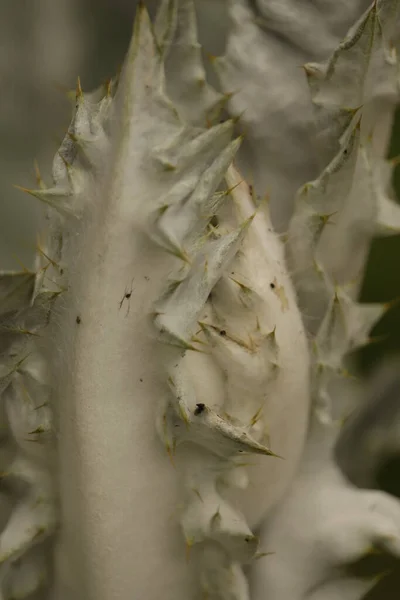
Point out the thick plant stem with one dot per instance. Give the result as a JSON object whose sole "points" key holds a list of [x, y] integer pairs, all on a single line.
{"points": [[116, 486]]}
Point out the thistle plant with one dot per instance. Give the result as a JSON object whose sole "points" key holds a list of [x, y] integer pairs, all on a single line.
{"points": [[173, 373]]}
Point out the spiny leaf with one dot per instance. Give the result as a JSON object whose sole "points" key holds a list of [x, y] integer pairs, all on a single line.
{"points": [[58, 199], [178, 312]]}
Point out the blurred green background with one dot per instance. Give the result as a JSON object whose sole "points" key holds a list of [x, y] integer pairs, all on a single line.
{"points": [[43, 46]]}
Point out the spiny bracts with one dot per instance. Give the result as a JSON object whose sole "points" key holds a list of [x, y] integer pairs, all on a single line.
{"points": [[158, 366]]}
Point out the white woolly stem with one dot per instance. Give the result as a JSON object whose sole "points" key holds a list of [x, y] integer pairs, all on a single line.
{"points": [[117, 529]]}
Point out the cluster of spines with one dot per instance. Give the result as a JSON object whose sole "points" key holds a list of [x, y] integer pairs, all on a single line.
{"points": [[337, 215], [25, 305], [246, 351], [198, 103], [189, 316]]}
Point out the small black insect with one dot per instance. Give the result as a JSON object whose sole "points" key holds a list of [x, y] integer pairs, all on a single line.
{"points": [[78, 320], [126, 296], [199, 409], [272, 286]]}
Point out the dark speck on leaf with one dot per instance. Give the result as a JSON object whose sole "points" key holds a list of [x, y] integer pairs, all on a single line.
{"points": [[222, 332], [78, 320], [199, 409], [272, 286]]}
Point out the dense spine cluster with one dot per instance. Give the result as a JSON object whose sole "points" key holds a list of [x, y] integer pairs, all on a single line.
{"points": [[336, 216]]}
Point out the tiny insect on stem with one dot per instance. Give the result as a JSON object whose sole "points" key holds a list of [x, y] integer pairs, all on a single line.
{"points": [[127, 295]]}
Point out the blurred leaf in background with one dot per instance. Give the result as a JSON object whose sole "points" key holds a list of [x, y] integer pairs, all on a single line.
{"points": [[382, 279]]}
